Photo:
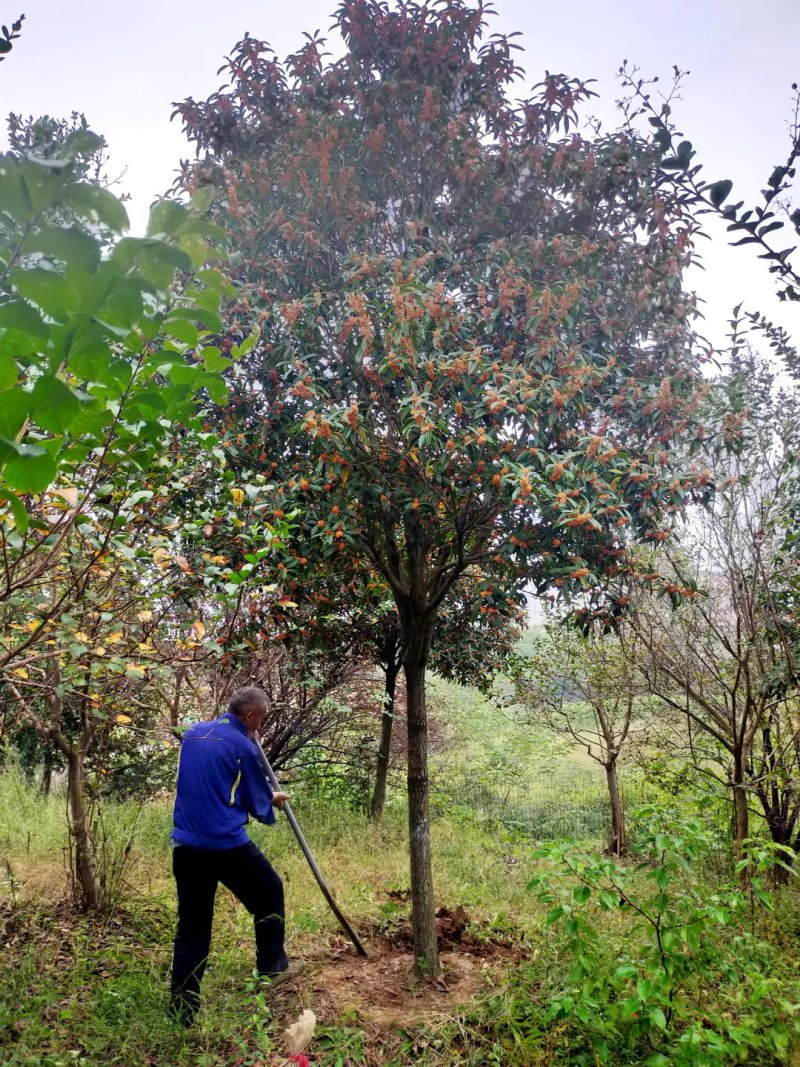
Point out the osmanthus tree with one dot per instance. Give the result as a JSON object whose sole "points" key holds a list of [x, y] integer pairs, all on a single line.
{"points": [[346, 610], [476, 351], [470, 645]]}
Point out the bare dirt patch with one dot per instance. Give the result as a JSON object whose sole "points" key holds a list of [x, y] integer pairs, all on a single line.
{"points": [[382, 992]]}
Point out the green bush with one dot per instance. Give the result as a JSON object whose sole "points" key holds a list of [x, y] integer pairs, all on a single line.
{"points": [[661, 971]]}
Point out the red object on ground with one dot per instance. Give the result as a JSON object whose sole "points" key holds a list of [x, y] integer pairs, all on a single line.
{"points": [[300, 1059]]}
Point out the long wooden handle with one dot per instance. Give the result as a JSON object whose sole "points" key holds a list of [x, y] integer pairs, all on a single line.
{"points": [[298, 833]]}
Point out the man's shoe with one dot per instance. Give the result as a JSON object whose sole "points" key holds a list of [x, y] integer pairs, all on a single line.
{"points": [[295, 968], [183, 1011]]}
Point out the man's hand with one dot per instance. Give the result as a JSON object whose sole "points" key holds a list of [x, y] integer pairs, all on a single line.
{"points": [[278, 800]]}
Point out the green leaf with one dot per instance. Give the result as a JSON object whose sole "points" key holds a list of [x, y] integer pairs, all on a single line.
{"points": [[48, 290], [123, 306], [15, 199], [30, 474], [196, 248], [98, 205], [182, 331], [81, 142], [20, 315], [71, 246], [719, 192], [8, 371], [90, 355], [216, 389], [581, 893], [213, 360], [202, 199], [658, 1018], [154, 260], [166, 218], [18, 512], [15, 404], [54, 405]]}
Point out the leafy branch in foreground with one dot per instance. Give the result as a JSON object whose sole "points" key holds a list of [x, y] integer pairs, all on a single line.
{"points": [[7, 37]]}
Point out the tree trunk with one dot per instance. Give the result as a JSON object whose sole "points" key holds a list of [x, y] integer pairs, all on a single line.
{"points": [[741, 811], [384, 749], [423, 919], [47, 772], [618, 844], [85, 862]]}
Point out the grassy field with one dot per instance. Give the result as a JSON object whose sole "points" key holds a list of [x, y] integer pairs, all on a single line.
{"points": [[75, 990], [518, 989]]}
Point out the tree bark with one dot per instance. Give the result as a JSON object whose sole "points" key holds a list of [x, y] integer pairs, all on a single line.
{"points": [[384, 749], [741, 811], [47, 772], [85, 861], [618, 844], [416, 649]]}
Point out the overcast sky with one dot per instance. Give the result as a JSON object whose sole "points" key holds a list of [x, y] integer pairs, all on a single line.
{"points": [[124, 64]]}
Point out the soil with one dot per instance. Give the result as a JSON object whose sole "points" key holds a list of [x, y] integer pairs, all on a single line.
{"points": [[382, 992]]}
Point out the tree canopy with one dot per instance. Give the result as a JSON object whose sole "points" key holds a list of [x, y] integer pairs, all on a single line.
{"points": [[475, 349]]}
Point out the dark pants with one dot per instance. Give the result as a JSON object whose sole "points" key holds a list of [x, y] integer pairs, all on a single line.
{"points": [[248, 875]]}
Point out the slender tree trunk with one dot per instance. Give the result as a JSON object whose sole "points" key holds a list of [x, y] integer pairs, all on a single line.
{"points": [[47, 772], [85, 862], [741, 811], [416, 649], [618, 844], [384, 749]]}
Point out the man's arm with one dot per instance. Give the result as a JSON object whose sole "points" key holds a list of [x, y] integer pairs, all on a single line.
{"points": [[260, 798], [258, 795]]}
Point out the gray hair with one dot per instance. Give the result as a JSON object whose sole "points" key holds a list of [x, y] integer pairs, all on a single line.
{"points": [[250, 698]]}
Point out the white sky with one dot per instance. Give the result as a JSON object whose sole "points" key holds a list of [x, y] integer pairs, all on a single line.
{"points": [[124, 64]]}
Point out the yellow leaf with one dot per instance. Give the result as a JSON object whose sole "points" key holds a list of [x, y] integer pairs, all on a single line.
{"points": [[32, 625], [237, 495], [144, 616], [114, 638], [135, 670], [198, 629], [99, 650], [20, 672], [70, 495], [81, 636], [124, 719]]}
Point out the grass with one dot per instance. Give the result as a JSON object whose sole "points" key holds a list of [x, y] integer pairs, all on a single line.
{"points": [[76, 990]]}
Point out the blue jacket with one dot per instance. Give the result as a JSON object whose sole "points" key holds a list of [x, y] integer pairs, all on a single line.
{"points": [[221, 781]]}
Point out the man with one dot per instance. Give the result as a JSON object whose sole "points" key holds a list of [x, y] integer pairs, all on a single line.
{"points": [[221, 781]]}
